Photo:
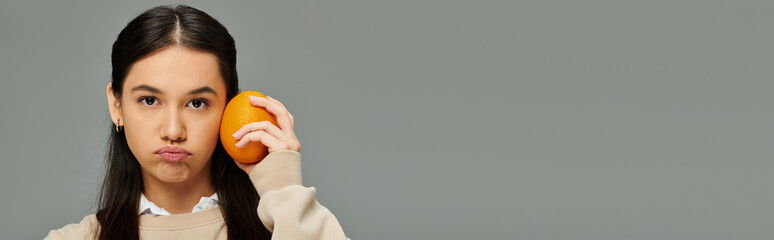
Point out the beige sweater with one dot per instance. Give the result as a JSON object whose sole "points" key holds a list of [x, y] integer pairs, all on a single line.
{"points": [[287, 208]]}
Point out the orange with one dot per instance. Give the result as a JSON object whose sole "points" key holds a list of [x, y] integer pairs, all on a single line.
{"points": [[239, 112]]}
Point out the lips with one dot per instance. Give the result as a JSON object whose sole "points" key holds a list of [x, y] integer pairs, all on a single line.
{"points": [[172, 153]]}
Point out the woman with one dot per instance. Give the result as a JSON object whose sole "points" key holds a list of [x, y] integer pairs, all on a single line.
{"points": [[168, 176]]}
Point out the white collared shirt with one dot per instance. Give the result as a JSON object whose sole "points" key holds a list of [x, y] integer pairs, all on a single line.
{"points": [[149, 208]]}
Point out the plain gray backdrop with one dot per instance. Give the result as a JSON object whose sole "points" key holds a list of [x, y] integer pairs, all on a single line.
{"points": [[441, 119]]}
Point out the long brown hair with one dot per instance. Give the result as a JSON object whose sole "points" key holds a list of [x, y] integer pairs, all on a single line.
{"points": [[119, 197]]}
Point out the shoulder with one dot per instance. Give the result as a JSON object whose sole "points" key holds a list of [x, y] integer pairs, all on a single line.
{"points": [[83, 230]]}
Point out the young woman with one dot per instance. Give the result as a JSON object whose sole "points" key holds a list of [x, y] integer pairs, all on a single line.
{"points": [[168, 176]]}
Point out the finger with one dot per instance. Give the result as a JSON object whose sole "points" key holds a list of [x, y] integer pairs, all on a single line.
{"points": [[292, 119], [266, 139], [290, 116], [255, 126], [282, 114]]}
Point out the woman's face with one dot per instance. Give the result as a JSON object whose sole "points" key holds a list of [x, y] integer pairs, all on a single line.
{"points": [[174, 97]]}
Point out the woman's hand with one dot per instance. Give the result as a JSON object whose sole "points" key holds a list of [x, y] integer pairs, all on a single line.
{"points": [[273, 137]]}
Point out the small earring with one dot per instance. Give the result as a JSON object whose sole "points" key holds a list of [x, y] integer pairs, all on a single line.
{"points": [[119, 122]]}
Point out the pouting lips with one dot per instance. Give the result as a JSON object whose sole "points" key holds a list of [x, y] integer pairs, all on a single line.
{"points": [[173, 157]]}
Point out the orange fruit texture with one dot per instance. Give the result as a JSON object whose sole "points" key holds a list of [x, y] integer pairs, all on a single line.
{"points": [[239, 112]]}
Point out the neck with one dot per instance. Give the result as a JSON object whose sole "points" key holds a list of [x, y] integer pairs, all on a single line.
{"points": [[180, 197]]}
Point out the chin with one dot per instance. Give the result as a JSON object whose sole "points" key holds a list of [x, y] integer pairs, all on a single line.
{"points": [[173, 179], [173, 175]]}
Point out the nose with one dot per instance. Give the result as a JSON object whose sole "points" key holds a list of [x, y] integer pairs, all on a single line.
{"points": [[173, 128]]}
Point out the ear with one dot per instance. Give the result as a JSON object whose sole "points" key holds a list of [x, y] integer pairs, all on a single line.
{"points": [[114, 105]]}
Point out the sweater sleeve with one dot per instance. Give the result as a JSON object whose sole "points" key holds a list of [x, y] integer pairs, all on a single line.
{"points": [[83, 230], [287, 208]]}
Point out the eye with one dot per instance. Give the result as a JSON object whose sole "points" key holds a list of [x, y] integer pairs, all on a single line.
{"points": [[198, 103], [148, 101]]}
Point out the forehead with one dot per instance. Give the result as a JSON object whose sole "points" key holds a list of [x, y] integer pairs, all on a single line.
{"points": [[176, 70]]}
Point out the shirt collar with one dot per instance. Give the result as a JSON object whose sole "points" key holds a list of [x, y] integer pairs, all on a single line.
{"points": [[149, 208]]}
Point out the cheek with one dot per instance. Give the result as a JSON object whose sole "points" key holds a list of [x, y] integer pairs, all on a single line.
{"points": [[138, 135], [207, 132]]}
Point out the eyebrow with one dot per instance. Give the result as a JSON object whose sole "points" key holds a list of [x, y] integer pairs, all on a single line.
{"points": [[157, 91]]}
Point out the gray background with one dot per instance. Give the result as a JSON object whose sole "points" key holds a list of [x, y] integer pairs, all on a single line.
{"points": [[442, 119]]}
